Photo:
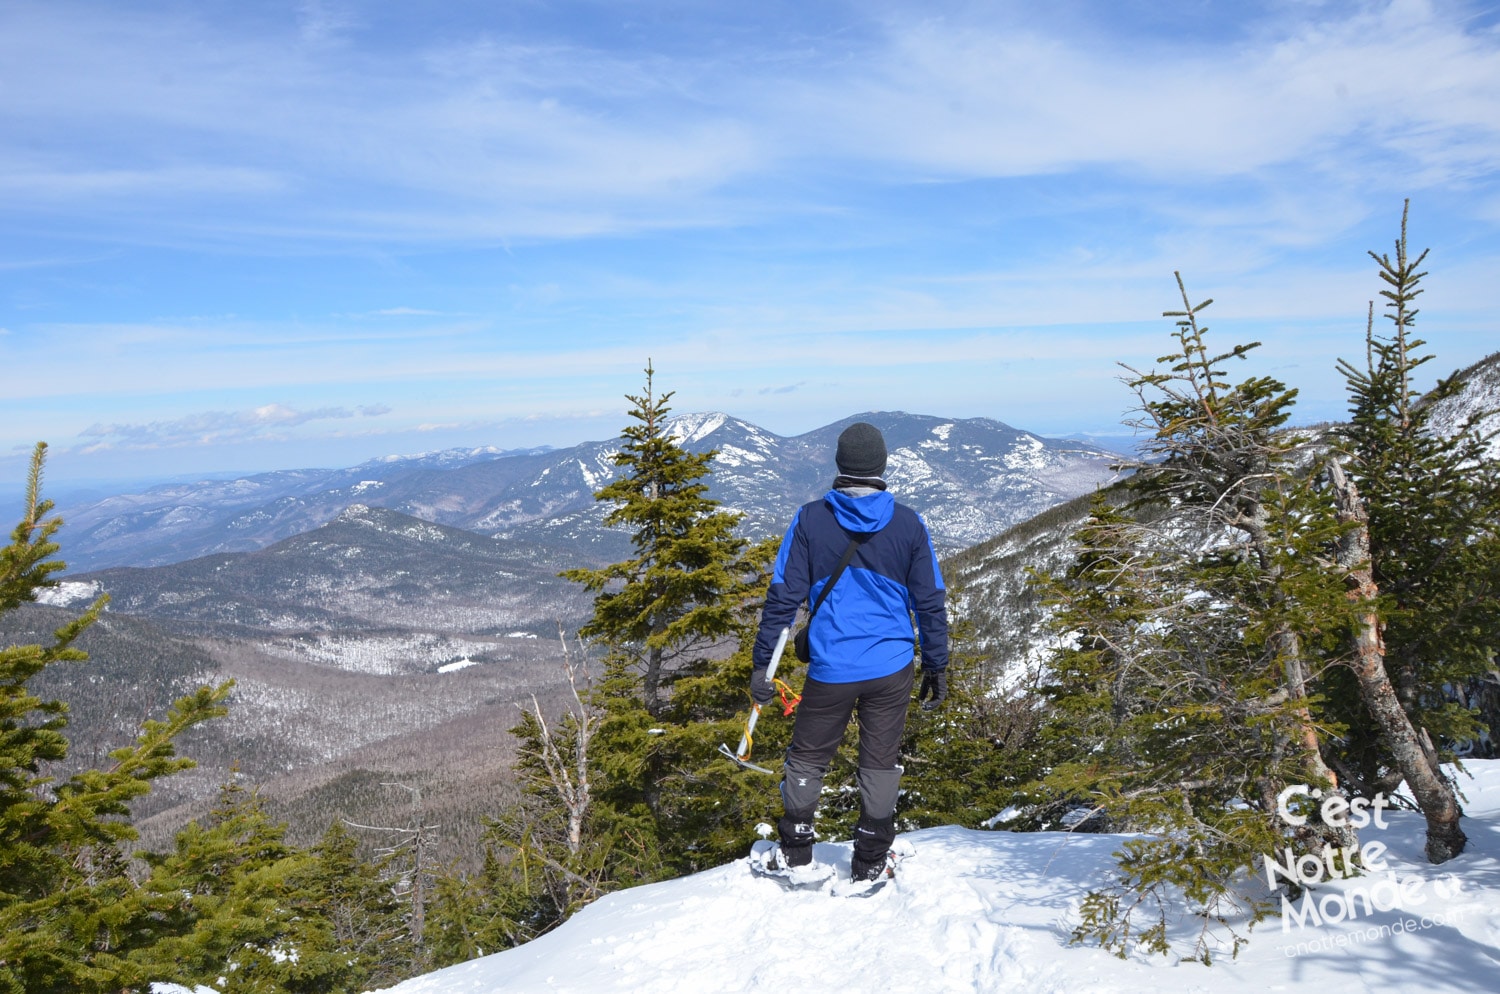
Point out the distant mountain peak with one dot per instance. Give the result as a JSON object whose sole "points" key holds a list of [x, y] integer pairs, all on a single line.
{"points": [[359, 514], [483, 450], [690, 428], [452, 458], [393, 522]]}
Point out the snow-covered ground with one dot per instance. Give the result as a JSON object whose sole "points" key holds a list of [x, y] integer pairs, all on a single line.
{"points": [[991, 911]]}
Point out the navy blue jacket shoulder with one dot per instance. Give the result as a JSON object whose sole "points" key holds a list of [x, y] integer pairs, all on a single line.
{"points": [[864, 628]]}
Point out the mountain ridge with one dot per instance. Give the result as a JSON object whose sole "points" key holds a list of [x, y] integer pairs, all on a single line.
{"points": [[368, 569], [971, 478]]}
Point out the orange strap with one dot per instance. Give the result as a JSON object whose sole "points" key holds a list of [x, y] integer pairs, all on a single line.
{"points": [[789, 697], [789, 701]]}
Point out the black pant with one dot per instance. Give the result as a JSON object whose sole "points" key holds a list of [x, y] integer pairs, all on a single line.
{"points": [[880, 706]]}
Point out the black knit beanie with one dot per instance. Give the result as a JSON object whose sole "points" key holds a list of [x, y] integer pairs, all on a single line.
{"points": [[861, 451]]}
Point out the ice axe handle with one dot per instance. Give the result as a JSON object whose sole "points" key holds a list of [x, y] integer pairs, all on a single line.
{"points": [[744, 749]]}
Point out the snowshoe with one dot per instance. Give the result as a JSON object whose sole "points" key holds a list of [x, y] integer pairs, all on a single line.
{"points": [[868, 879], [861, 872], [768, 860]]}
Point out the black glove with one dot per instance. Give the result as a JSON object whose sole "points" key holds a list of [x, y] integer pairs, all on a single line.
{"points": [[934, 685], [761, 689]]}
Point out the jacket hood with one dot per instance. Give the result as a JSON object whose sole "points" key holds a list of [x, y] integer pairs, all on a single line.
{"points": [[861, 515]]}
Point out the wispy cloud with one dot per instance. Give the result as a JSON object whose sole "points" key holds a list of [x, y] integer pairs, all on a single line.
{"points": [[324, 22], [514, 135], [27, 183], [961, 98], [212, 428], [471, 140]]}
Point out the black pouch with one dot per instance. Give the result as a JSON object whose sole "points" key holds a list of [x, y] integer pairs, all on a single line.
{"points": [[800, 646]]}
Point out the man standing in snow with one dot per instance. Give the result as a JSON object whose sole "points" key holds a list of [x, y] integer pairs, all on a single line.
{"points": [[860, 640]]}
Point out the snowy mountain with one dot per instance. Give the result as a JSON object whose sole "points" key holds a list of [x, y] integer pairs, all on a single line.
{"points": [[992, 585], [984, 912], [1479, 398], [367, 570], [178, 521], [1009, 623], [970, 478]]}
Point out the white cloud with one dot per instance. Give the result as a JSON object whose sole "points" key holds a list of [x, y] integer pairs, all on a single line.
{"points": [[324, 22], [71, 186], [269, 422], [1249, 162], [512, 136], [470, 141], [1400, 82]]}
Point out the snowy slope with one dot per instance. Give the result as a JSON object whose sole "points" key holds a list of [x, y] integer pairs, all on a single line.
{"points": [[988, 911], [1479, 399]]}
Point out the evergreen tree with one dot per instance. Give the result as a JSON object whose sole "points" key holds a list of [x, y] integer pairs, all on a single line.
{"points": [[235, 915], [1433, 501], [1412, 754], [972, 757], [365, 920], [627, 786], [1224, 463], [626, 766], [1422, 561], [1195, 623], [665, 615], [678, 594], [1164, 721], [70, 916], [1103, 609], [709, 807], [502, 906]]}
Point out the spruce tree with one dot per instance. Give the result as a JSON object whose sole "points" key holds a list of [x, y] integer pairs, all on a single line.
{"points": [[1195, 623], [1222, 461], [505, 904], [709, 808], [1102, 610], [1433, 500], [1164, 720], [972, 757], [365, 921], [71, 918], [666, 614], [235, 915], [1422, 561], [678, 594]]}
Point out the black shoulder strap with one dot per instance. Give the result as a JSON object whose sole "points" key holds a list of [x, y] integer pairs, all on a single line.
{"points": [[854, 544]]}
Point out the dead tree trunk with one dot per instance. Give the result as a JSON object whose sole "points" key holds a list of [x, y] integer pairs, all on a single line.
{"points": [[1289, 647], [1252, 519], [566, 763], [1414, 757]]}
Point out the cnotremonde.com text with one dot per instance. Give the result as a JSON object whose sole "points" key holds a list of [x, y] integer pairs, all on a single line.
{"points": [[1334, 862]]}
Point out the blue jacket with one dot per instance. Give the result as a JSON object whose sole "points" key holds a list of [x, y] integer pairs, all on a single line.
{"points": [[864, 628]]}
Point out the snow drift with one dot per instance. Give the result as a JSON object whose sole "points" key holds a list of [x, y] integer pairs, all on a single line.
{"points": [[992, 911]]}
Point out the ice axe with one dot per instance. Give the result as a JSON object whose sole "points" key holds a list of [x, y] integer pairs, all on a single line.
{"points": [[741, 757]]}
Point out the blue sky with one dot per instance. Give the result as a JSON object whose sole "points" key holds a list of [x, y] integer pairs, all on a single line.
{"points": [[250, 235]]}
